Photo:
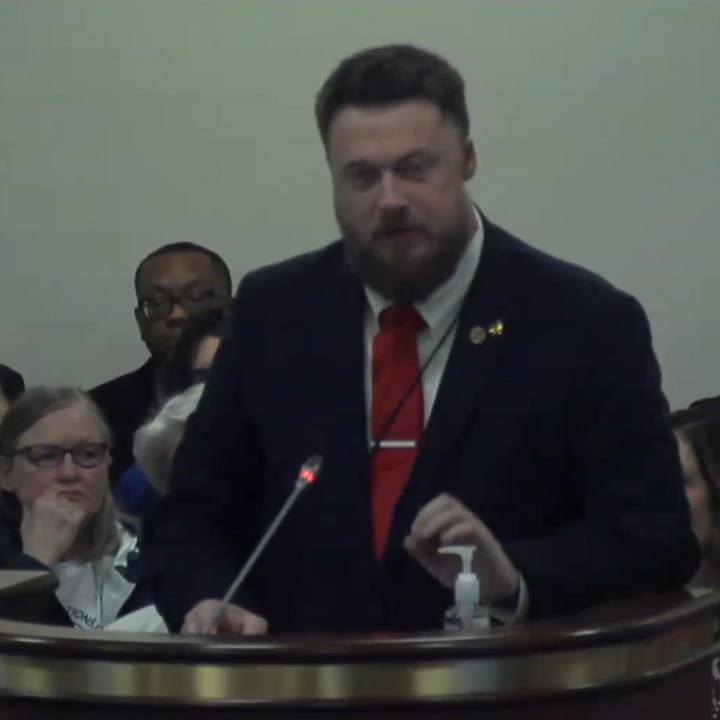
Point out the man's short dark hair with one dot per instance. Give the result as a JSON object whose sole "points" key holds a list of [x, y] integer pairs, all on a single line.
{"points": [[389, 75], [188, 247]]}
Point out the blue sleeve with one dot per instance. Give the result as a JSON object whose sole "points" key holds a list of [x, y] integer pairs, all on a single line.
{"points": [[131, 492]]}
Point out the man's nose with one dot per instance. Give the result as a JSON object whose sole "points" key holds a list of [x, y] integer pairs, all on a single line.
{"points": [[391, 196], [177, 313]]}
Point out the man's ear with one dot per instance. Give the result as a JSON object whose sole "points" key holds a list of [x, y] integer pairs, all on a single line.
{"points": [[469, 160], [5, 483], [140, 320]]}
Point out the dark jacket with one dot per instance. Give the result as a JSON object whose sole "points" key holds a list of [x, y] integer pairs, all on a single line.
{"points": [[126, 402], [555, 432], [11, 383]]}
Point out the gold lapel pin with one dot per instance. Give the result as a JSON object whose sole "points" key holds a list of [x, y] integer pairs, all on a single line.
{"points": [[478, 335], [497, 328]]}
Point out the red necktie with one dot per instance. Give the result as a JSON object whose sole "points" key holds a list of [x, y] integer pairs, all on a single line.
{"points": [[395, 368]]}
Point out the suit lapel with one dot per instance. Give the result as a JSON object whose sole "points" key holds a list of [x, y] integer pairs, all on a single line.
{"points": [[342, 371], [469, 371], [341, 401]]}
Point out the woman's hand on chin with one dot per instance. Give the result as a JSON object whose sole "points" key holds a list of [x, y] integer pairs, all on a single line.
{"points": [[49, 527]]}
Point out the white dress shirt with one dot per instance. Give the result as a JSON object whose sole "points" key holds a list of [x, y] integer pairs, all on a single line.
{"points": [[439, 312]]}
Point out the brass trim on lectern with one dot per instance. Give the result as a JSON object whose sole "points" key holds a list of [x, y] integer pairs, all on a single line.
{"points": [[32, 675], [618, 645]]}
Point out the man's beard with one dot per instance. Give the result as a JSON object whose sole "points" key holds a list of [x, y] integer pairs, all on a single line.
{"points": [[386, 264]]}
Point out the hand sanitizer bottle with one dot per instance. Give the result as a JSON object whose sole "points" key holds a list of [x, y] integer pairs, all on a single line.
{"points": [[467, 613]]}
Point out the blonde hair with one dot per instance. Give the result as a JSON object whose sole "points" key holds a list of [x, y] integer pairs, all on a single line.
{"points": [[31, 407], [154, 439]]}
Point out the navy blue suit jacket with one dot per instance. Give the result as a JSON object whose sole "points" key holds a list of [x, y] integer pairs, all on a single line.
{"points": [[555, 433]]}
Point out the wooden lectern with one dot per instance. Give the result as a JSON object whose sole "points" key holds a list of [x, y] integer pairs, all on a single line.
{"points": [[646, 659]]}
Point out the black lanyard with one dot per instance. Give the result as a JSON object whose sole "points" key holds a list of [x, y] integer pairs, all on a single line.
{"points": [[377, 442]]}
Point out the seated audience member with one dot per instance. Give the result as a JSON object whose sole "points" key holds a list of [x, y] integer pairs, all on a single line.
{"points": [[171, 284], [156, 442], [56, 510], [709, 406], [193, 356], [12, 384], [699, 446]]}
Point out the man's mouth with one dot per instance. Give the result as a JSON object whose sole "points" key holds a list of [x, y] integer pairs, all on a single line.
{"points": [[400, 232]]}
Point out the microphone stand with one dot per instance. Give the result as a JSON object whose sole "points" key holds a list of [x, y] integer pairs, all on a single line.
{"points": [[308, 474]]}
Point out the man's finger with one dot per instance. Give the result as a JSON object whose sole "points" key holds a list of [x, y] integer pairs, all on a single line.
{"points": [[254, 625], [433, 525], [462, 533], [434, 506]]}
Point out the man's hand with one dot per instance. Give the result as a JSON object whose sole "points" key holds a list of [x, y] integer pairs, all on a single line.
{"points": [[49, 527], [446, 521], [233, 621]]}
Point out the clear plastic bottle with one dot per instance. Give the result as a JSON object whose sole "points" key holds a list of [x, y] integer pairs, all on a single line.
{"points": [[466, 614], [454, 622]]}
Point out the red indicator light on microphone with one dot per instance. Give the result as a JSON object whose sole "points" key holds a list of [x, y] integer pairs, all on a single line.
{"points": [[308, 476], [310, 471]]}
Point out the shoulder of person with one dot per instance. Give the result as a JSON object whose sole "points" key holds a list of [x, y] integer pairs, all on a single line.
{"points": [[123, 384], [11, 554], [10, 540], [563, 291], [295, 274]]}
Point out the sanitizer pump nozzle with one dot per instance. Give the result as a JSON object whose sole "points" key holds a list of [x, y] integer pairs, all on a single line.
{"points": [[467, 613]]}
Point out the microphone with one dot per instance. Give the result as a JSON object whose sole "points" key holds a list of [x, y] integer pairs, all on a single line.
{"points": [[308, 474]]}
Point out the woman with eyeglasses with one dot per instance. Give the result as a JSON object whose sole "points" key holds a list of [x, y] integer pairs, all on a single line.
{"points": [[56, 510], [194, 353]]}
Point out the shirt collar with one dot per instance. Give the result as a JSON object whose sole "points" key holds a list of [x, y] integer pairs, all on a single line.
{"points": [[448, 298]]}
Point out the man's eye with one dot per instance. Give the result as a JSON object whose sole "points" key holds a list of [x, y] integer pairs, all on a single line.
{"points": [[200, 296], [362, 177], [415, 170]]}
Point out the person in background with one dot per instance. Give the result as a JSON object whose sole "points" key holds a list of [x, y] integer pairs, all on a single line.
{"points": [[12, 384], [157, 440], [698, 438], [708, 406], [191, 361], [56, 510], [462, 386], [171, 284]]}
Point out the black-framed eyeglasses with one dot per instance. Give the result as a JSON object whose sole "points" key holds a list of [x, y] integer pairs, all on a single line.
{"points": [[193, 302], [84, 455]]}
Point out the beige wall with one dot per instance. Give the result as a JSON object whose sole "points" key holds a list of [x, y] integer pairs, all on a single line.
{"points": [[125, 125]]}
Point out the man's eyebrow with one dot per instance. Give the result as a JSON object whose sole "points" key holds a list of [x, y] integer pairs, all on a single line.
{"points": [[361, 164]]}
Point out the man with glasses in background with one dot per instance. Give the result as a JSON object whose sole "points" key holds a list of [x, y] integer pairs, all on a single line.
{"points": [[171, 284]]}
